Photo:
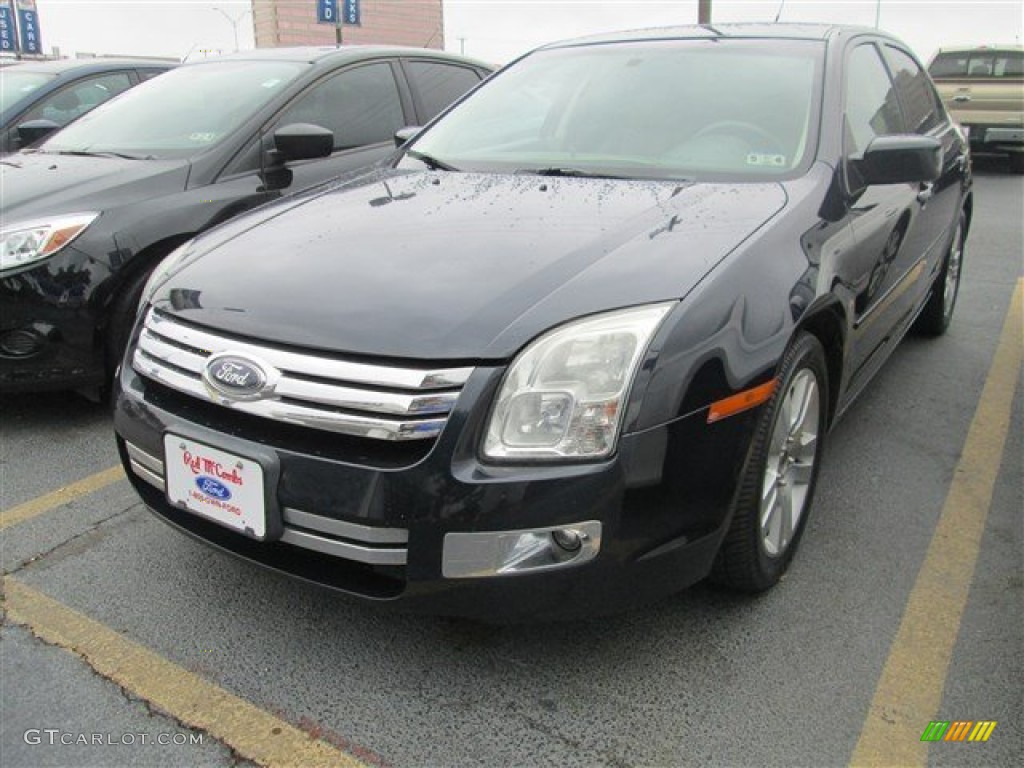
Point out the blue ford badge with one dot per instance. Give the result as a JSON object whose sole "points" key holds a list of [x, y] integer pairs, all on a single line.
{"points": [[214, 488], [233, 376]]}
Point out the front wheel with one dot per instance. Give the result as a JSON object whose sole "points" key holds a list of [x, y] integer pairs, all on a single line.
{"points": [[938, 312], [781, 470]]}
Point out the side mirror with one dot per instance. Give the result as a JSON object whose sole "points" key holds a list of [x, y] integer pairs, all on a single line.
{"points": [[303, 141], [901, 159], [402, 135], [35, 130]]}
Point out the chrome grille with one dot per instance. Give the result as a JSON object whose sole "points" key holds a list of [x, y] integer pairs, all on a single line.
{"points": [[338, 538], [312, 390]]}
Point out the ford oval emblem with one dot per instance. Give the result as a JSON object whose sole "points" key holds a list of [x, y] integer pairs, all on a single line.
{"points": [[231, 376], [214, 488]]}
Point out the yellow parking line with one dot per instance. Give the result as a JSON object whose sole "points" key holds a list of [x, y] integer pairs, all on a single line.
{"points": [[254, 734], [60, 497], [909, 692]]}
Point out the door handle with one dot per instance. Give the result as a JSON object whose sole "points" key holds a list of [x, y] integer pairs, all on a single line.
{"points": [[962, 98], [927, 190]]}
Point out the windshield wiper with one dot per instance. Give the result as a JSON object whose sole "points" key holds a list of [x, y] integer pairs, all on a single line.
{"points": [[430, 161], [86, 153], [563, 171]]}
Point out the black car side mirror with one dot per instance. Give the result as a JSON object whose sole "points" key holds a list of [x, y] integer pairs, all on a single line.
{"points": [[402, 135], [303, 141], [900, 159], [34, 130]]}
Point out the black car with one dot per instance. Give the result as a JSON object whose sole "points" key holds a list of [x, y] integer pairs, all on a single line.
{"points": [[579, 346], [87, 215], [39, 97]]}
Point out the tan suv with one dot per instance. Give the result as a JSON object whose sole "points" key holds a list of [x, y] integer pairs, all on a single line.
{"points": [[983, 89]]}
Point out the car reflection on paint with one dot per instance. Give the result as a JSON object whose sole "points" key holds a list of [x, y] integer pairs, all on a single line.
{"points": [[577, 357]]}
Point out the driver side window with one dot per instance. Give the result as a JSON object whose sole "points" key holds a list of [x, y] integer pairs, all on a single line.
{"points": [[871, 106], [77, 99], [361, 106]]}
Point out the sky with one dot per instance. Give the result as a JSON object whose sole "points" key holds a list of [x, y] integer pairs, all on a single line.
{"points": [[499, 30]]}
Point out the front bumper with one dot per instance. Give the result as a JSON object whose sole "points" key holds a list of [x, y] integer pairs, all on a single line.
{"points": [[371, 519], [999, 138], [48, 325]]}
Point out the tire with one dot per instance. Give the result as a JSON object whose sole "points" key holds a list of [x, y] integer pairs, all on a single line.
{"points": [[122, 319], [780, 474], [1017, 162], [938, 312]]}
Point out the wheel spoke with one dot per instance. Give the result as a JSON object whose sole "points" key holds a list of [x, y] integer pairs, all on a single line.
{"points": [[805, 447], [800, 473], [786, 516], [769, 515], [808, 398], [799, 393], [771, 478]]}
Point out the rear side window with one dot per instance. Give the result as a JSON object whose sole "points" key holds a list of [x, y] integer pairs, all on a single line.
{"points": [[978, 64], [871, 106], [438, 85], [917, 97]]}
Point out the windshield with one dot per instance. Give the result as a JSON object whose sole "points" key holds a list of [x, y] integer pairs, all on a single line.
{"points": [[705, 109], [16, 85], [180, 113]]}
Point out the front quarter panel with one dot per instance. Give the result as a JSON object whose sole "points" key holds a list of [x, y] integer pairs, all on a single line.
{"points": [[730, 332]]}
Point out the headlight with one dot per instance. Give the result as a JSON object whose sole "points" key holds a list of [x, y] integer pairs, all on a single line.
{"points": [[563, 396], [24, 243], [163, 270]]}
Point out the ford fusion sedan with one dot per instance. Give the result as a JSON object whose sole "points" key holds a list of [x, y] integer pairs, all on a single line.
{"points": [[579, 345], [87, 215], [40, 97]]}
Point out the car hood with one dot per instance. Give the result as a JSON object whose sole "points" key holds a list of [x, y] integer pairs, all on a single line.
{"points": [[459, 266], [39, 184]]}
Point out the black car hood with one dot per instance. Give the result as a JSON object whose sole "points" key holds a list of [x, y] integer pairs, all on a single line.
{"points": [[458, 266], [39, 184]]}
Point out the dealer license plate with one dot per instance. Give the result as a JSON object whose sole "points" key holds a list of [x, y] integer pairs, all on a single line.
{"points": [[218, 485]]}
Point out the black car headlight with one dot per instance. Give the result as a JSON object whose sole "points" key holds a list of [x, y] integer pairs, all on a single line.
{"points": [[25, 243], [563, 396]]}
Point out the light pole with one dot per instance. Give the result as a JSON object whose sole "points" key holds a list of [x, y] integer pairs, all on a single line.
{"points": [[704, 11], [234, 21]]}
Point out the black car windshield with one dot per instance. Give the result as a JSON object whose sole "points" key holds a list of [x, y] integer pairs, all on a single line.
{"points": [[180, 113], [16, 85], [667, 109]]}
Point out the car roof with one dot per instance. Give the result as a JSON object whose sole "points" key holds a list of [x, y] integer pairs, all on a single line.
{"points": [[88, 66], [331, 53], [778, 31]]}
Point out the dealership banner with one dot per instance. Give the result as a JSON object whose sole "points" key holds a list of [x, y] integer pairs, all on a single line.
{"points": [[8, 34], [28, 26]]}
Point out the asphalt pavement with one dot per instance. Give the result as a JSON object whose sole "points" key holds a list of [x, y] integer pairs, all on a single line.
{"points": [[106, 608]]}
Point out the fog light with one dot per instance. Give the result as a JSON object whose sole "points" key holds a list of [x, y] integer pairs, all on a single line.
{"points": [[504, 553], [567, 539], [23, 342]]}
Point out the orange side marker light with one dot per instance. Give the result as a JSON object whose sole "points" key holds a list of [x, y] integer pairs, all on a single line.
{"points": [[750, 398]]}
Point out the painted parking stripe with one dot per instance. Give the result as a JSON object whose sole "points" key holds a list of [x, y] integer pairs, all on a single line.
{"points": [[60, 497], [254, 734], [909, 692]]}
